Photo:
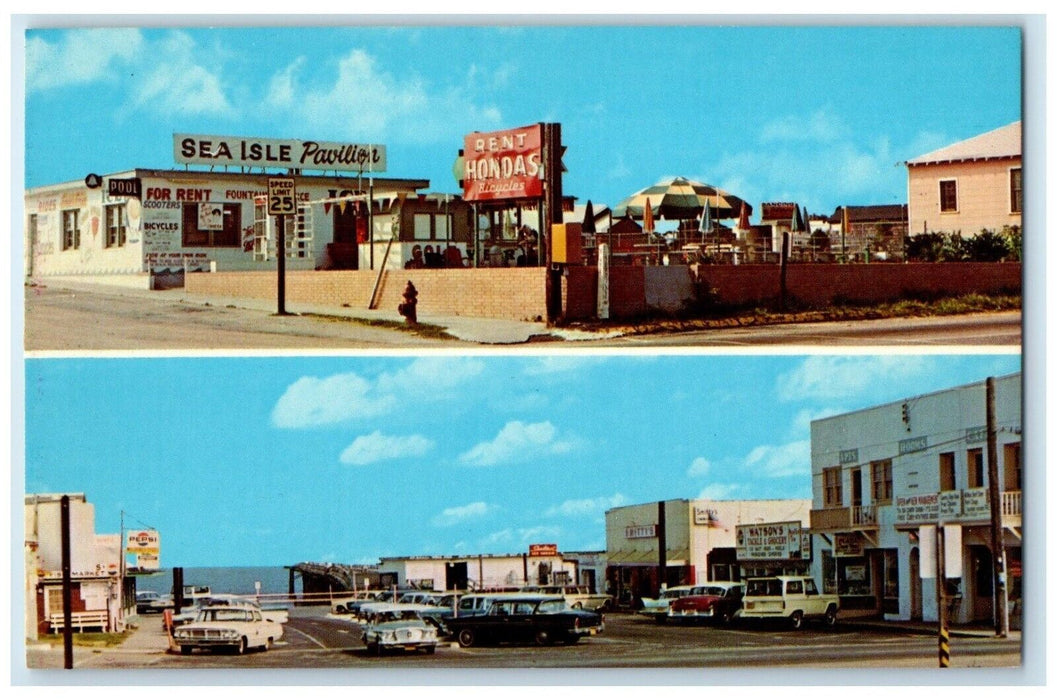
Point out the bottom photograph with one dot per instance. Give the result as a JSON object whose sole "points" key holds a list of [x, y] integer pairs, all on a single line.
{"points": [[850, 511]]}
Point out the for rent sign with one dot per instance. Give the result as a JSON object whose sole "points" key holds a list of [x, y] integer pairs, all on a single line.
{"points": [[194, 149], [503, 164]]}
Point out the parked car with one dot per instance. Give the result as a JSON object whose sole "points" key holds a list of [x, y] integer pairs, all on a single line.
{"points": [[792, 598], [399, 626], [233, 627], [277, 614], [478, 603], [657, 608], [145, 602], [342, 606], [578, 597], [719, 601], [527, 618]]}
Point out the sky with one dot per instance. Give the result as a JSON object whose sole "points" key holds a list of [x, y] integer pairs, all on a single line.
{"points": [[822, 115], [257, 461]]}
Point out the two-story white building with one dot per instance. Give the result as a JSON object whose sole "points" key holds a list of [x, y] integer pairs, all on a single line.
{"points": [[101, 595], [540, 565], [884, 478]]}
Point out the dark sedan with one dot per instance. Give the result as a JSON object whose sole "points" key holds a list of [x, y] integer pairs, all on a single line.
{"points": [[526, 619], [718, 601]]}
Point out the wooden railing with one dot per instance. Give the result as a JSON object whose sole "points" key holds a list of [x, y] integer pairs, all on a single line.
{"points": [[863, 515], [1012, 503]]}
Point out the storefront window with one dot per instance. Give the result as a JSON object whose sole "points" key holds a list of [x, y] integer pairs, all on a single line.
{"points": [[891, 579], [829, 572], [71, 234], [218, 227], [115, 225], [423, 227]]}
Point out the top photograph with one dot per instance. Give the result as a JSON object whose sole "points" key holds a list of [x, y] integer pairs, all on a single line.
{"points": [[414, 186]]}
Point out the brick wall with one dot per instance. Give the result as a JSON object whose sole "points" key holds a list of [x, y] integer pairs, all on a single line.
{"points": [[821, 285], [511, 293]]}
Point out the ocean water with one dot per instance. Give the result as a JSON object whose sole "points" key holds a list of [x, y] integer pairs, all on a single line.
{"points": [[238, 580]]}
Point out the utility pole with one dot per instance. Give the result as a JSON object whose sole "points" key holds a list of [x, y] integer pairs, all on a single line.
{"points": [[941, 599], [67, 584], [662, 548], [998, 553]]}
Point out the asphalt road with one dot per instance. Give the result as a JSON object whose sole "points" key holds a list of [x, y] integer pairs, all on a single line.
{"points": [[73, 320], [315, 640]]}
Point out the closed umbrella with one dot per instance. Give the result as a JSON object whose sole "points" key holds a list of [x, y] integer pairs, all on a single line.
{"points": [[589, 218], [647, 217], [743, 218], [679, 198]]}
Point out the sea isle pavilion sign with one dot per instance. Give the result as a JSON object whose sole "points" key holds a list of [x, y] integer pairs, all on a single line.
{"points": [[197, 149]]}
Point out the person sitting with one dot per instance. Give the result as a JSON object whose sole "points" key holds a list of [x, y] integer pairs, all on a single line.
{"points": [[416, 262]]}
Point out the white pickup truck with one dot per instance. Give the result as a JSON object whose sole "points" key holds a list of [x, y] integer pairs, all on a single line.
{"points": [[793, 598]]}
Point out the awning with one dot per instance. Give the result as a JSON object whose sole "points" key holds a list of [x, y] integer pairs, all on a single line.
{"points": [[632, 557]]}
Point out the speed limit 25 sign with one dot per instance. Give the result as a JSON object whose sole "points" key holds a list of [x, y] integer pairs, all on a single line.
{"points": [[282, 196]]}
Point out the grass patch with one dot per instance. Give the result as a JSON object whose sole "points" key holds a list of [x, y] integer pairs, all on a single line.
{"points": [[100, 640], [425, 330], [906, 308]]}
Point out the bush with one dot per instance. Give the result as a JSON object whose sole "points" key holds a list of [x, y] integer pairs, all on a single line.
{"points": [[986, 246]]}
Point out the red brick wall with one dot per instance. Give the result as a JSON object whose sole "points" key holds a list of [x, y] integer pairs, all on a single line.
{"points": [[511, 293], [821, 285]]}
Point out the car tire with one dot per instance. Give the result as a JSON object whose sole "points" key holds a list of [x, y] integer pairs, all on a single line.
{"points": [[578, 606], [543, 638], [185, 650], [661, 619], [340, 610], [831, 617], [796, 620], [467, 638], [572, 639], [268, 643], [431, 650], [725, 617]]}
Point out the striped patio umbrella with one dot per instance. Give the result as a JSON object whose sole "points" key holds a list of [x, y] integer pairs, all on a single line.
{"points": [[680, 198]]}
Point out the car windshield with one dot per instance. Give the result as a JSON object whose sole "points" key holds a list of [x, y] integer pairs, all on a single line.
{"points": [[714, 590], [551, 606], [671, 594], [224, 615]]}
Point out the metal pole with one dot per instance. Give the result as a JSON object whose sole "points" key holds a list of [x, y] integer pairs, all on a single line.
{"points": [[67, 584], [998, 554], [280, 255], [941, 600], [662, 547]]}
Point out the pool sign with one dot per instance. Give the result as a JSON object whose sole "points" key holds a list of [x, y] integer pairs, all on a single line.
{"points": [[282, 196]]}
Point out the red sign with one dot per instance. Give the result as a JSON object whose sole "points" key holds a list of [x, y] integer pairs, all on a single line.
{"points": [[543, 550], [503, 164]]}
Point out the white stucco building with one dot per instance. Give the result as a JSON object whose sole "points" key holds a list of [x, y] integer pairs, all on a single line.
{"points": [[884, 477]]}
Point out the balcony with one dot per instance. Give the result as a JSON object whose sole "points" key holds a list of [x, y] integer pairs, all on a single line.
{"points": [[851, 518]]}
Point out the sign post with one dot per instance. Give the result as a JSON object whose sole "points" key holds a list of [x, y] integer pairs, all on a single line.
{"points": [[282, 202]]}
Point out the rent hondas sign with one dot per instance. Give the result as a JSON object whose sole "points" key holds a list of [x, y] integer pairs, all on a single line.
{"points": [[503, 164]]}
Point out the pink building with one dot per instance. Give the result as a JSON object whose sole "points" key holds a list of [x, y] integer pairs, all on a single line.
{"points": [[968, 186]]}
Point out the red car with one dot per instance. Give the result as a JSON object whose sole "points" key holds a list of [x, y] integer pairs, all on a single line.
{"points": [[716, 600]]}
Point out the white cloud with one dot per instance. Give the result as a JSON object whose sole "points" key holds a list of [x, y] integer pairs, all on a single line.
{"points": [[791, 459], [516, 442], [821, 127], [376, 447], [369, 101], [182, 78], [699, 467], [281, 86], [311, 401], [838, 377], [459, 514], [559, 364], [430, 377], [81, 57], [587, 506], [721, 492]]}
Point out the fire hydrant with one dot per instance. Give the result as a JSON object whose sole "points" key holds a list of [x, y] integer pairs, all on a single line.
{"points": [[407, 308]]}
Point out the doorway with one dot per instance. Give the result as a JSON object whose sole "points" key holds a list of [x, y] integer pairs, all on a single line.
{"points": [[915, 584]]}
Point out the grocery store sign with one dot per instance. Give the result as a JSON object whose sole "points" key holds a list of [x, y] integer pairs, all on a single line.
{"points": [[503, 164], [773, 541], [195, 149]]}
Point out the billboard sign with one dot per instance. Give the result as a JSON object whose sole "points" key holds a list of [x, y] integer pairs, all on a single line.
{"points": [[543, 550], [199, 149], [143, 542], [501, 165], [770, 541]]}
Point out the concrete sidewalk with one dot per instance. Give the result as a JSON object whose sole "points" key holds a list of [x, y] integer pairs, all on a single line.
{"points": [[485, 331]]}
